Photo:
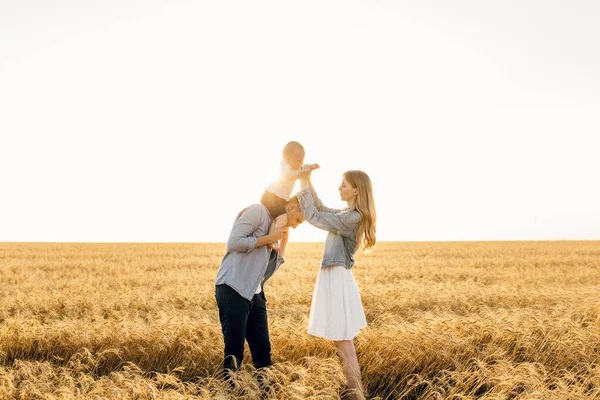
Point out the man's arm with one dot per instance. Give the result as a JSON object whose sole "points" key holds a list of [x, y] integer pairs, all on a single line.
{"points": [[242, 238], [271, 237]]}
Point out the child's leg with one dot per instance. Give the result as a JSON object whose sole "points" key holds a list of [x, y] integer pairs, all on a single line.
{"points": [[274, 203]]}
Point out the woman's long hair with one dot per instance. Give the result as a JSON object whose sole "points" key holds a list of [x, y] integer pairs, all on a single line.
{"points": [[365, 205]]}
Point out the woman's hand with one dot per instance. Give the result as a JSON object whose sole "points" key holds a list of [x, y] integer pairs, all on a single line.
{"points": [[305, 172]]}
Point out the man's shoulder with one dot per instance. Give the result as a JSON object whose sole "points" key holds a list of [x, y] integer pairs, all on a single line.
{"points": [[258, 211]]}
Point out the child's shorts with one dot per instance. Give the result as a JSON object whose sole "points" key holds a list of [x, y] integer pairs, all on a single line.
{"points": [[274, 203]]}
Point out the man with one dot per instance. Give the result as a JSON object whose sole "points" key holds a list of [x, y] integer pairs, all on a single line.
{"points": [[248, 263]]}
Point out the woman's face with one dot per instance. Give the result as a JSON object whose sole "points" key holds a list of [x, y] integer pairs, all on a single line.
{"points": [[347, 192]]}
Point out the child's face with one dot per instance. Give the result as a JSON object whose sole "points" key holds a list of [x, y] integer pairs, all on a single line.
{"points": [[296, 159]]}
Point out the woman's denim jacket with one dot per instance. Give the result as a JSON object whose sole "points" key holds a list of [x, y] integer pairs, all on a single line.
{"points": [[342, 226]]}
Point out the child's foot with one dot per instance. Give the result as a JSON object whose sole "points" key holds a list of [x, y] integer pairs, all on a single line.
{"points": [[274, 246]]}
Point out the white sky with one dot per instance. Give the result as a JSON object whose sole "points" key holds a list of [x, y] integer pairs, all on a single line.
{"points": [[159, 120]]}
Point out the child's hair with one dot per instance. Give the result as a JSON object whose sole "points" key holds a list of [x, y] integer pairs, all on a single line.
{"points": [[365, 205], [290, 148]]}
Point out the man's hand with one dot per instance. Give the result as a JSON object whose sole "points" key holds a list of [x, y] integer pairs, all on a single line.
{"points": [[276, 233]]}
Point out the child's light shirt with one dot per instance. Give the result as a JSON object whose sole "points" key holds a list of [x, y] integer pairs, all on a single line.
{"points": [[284, 186]]}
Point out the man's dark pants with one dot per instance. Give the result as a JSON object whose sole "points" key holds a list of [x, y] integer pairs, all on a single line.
{"points": [[242, 320]]}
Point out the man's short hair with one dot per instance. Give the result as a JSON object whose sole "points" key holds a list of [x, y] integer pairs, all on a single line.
{"points": [[293, 199]]}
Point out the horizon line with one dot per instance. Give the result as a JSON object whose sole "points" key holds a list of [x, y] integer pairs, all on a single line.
{"points": [[308, 242]]}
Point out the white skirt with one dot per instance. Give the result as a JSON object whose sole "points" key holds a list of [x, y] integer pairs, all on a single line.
{"points": [[336, 312]]}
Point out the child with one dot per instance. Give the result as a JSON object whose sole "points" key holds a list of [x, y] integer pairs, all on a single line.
{"points": [[279, 191]]}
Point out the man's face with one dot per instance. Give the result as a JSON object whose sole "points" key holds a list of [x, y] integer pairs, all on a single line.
{"points": [[294, 215]]}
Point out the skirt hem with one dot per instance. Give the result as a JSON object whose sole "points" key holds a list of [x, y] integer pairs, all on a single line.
{"points": [[324, 335]]}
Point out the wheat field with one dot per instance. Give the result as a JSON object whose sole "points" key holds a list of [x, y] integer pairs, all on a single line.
{"points": [[489, 320]]}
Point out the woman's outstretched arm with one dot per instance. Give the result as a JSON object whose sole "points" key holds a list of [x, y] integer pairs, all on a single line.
{"points": [[305, 183], [341, 223]]}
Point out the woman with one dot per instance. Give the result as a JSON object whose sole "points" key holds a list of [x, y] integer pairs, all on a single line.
{"points": [[336, 312]]}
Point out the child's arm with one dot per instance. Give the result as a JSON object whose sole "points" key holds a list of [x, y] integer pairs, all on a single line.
{"points": [[280, 222], [283, 242], [288, 174]]}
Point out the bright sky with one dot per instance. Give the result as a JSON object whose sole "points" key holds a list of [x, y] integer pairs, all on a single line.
{"points": [[159, 120]]}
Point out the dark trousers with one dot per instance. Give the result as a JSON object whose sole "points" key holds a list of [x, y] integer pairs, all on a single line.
{"points": [[243, 320]]}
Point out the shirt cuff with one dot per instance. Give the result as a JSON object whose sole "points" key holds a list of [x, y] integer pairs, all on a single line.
{"points": [[303, 192], [251, 242]]}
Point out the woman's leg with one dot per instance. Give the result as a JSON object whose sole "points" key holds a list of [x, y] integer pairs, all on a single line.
{"points": [[351, 368]]}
